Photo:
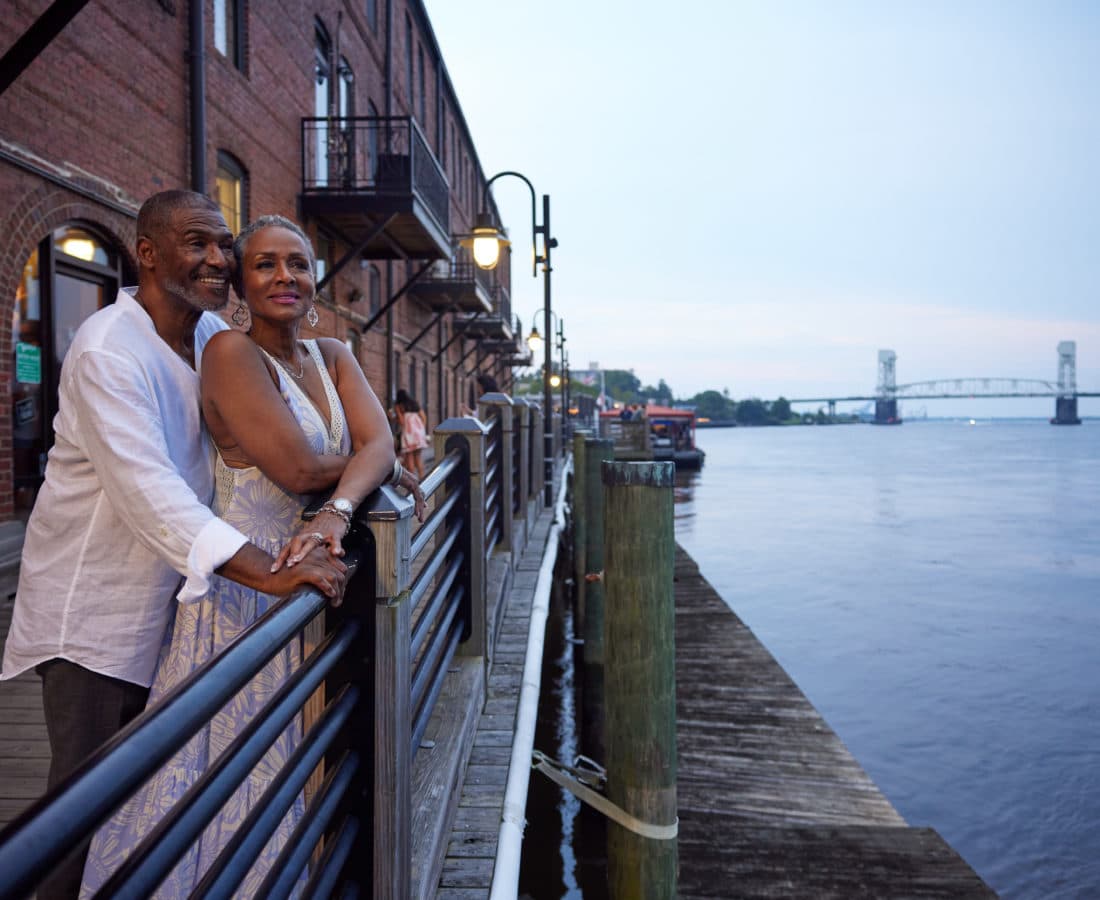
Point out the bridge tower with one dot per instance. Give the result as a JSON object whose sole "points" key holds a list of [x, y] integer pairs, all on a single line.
{"points": [[886, 401], [1065, 404]]}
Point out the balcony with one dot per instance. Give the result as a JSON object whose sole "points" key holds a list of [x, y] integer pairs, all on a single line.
{"points": [[456, 284], [375, 183], [514, 352], [493, 326]]}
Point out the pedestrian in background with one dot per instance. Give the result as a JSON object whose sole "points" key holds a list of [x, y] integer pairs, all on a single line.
{"points": [[413, 428]]}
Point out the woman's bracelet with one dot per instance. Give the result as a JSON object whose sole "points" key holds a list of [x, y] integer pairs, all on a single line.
{"points": [[397, 474], [329, 508]]}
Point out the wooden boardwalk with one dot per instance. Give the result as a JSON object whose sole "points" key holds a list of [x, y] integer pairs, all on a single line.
{"points": [[771, 802], [471, 853], [24, 747]]}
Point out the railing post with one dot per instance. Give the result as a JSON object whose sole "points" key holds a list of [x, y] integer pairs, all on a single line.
{"points": [[522, 411], [640, 675], [389, 520], [471, 436], [502, 404], [538, 443]]}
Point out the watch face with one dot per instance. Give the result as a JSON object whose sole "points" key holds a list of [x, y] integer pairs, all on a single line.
{"points": [[343, 505]]}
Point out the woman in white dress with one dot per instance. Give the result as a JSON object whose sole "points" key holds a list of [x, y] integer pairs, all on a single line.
{"points": [[289, 417]]}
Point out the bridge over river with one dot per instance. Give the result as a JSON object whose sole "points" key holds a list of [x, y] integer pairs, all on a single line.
{"points": [[888, 392]]}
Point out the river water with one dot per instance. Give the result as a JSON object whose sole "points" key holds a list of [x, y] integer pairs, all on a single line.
{"points": [[934, 589]]}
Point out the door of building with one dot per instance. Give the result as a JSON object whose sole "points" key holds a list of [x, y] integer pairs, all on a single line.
{"points": [[72, 273]]}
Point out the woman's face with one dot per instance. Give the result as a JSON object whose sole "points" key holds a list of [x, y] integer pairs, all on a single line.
{"points": [[276, 275]]}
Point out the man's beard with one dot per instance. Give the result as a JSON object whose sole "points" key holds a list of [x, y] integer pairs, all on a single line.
{"points": [[193, 295]]}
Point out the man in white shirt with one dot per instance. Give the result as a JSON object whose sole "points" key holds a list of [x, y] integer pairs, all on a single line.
{"points": [[123, 516]]}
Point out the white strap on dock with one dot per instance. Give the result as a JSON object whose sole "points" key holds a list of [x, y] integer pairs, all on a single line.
{"points": [[574, 781]]}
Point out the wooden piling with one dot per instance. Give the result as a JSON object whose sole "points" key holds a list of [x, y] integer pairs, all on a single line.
{"points": [[579, 530], [640, 673], [596, 452]]}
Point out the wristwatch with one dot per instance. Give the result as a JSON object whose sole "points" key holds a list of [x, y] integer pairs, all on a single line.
{"points": [[343, 506]]}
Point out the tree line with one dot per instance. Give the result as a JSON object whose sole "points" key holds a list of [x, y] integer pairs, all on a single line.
{"points": [[718, 406]]}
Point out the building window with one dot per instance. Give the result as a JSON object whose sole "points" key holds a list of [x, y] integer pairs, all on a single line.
{"points": [[374, 289], [230, 191], [351, 341], [412, 378], [372, 14], [322, 89], [345, 101], [229, 30], [424, 385]]}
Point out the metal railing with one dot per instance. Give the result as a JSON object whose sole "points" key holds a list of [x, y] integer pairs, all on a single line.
{"points": [[382, 664], [373, 155]]}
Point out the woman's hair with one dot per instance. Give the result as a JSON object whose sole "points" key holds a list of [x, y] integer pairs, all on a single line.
{"points": [[268, 221], [406, 402]]}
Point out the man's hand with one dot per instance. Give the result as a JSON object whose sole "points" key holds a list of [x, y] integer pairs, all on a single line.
{"points": [[317, 568]]}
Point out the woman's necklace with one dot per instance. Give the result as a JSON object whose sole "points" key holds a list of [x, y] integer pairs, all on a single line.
{"points": [[289, 371]]}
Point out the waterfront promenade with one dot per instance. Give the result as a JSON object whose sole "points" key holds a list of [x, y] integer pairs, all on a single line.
{"points": [[771, 803]]}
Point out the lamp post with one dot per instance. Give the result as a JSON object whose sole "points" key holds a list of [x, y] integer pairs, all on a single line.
{"points": [[487, 240], [535, 342]]}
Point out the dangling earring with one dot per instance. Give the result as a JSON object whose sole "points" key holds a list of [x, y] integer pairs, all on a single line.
{"points": [[240, 314], [311, 316]]}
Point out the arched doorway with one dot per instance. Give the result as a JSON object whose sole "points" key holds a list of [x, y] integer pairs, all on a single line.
{"points": [[73, 272]]}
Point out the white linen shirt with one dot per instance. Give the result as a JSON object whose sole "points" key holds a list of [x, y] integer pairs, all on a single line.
{"points": [[124, 510]]}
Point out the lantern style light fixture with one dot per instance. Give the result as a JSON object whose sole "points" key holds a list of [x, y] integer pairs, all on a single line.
{"points": [[485, 242], [534, 340]]}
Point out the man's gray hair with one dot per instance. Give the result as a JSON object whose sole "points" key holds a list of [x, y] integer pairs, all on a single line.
{"points": [[155, 216]]}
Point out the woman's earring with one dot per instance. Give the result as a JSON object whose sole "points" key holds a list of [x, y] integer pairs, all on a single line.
{"points": [[240, 314], [312, 317]]}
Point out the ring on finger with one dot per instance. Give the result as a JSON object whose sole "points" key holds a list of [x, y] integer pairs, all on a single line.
{"points": [[317, 536]]}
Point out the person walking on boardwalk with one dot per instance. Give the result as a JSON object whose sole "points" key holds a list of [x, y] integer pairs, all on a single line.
{"points": [[413, 427], [122, 518]]}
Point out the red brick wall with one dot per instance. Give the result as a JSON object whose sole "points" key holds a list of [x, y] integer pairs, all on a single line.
{"points": [[105, 106]]}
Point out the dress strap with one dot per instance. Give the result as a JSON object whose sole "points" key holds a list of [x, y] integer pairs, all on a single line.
{"points": [[336, 409]]}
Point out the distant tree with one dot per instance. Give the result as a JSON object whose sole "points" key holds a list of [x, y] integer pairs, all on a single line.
{"points": [[712, 405], [781, 409], [622, 385], [821, 418], [661, 394], [752, 412]]}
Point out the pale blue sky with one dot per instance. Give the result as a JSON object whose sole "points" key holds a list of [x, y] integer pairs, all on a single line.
{"points": [[761, 195]]}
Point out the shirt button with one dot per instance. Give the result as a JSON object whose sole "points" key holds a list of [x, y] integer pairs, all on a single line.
{"points": [[164, 530]]}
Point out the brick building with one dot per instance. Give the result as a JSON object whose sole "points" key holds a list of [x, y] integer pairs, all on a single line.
{"points": [[338, 114]]}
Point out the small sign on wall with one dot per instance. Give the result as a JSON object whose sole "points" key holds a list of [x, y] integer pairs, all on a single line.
{"points": [[28, 363]]}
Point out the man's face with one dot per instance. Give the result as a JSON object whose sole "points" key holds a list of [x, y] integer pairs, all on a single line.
{"points": [[195, 259]]}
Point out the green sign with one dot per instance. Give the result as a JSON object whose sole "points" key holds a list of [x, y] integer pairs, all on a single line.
{"points": [[28, 363]]}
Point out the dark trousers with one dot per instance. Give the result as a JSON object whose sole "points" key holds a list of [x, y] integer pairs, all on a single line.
{"points": [[83, 710]]}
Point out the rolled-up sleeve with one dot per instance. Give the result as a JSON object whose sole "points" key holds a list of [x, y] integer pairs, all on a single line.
{"points": [[123, 431]]}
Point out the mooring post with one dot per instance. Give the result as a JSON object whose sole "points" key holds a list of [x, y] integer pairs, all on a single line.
{"points": [[640, 674], [579, 530], [596, 452]]}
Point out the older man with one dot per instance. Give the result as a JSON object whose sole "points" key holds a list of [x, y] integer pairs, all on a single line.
{"points": [[123, 516]]}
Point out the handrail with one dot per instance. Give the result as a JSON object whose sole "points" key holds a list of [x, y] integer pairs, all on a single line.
{"points": [[474, 499]]}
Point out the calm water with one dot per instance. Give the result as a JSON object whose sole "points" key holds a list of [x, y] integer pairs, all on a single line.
{"points": [[935, 590]]}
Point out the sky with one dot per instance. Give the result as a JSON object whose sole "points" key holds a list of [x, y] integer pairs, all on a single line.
{"points": [[758, 196]]}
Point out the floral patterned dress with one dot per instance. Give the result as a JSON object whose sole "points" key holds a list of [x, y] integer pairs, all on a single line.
{"points": [[269, 516]]}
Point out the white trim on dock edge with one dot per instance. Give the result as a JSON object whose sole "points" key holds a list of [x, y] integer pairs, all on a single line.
{"points": [[513, 816]]}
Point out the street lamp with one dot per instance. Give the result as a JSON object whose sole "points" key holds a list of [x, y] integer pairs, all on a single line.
{"points": [[535, 342], [487, 241]]}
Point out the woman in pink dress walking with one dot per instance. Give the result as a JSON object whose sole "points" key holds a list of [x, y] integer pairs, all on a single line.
{"points": [[413, 427]]}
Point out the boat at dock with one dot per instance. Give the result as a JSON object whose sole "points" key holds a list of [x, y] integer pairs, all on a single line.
{"points": [[663, 433]]}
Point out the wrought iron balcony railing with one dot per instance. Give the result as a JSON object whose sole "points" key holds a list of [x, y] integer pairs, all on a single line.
{"points": [[373, 155]]}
